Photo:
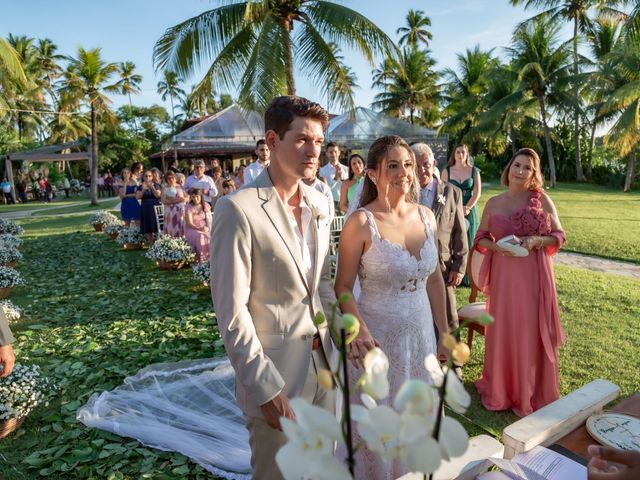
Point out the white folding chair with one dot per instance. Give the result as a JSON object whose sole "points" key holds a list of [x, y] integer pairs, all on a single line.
{"points": [[159, 211], [473, 309]]}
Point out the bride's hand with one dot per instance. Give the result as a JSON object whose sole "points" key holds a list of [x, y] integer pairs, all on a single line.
{"points": [[359, 348]]}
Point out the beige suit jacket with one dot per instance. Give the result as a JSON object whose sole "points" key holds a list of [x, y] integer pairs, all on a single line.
{"points": [[263, 304]]}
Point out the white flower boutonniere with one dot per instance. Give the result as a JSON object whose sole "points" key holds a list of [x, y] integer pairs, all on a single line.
{"points": [[317, 214], [441, 199]]}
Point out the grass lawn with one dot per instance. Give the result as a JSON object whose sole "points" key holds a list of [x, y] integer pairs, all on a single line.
{"points": [[33, 205], [597, 220]]}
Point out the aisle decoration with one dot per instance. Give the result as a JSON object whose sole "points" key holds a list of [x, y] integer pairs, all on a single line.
{"points": [[412, 429], [10, 227], [202, 273], [11, 311], [130, 238], [9, 240], [101, 218], [171, 253], [21, 392], [9, 256], [113, 229], [9, 278]]}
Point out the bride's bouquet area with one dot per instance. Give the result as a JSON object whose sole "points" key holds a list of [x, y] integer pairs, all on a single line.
{"points": [[10, 227], [171, 252], [412, 428]]}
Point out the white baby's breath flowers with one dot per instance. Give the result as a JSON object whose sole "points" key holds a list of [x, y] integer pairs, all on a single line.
{"points": [[130, 234], [7, 240], [102, 217], [202, 272], [22, 391], [113, 228], [11, 311], [9, 277], [8, 226], [171, 249], [9, 254]]}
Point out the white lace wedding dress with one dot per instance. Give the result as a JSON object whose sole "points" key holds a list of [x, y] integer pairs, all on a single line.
{"points": [[393, 303]]}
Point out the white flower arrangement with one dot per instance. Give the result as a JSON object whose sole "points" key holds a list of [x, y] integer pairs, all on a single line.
{"points": [[11, 311], [202, 272], [113, 228], [102, 217], [22, 391], [171, 249], [9, 240], [9, 277], [10, 227], [9, 254], [130, 234]]}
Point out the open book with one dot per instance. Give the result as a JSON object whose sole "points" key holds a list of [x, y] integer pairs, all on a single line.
{"points": [[539, 463]]}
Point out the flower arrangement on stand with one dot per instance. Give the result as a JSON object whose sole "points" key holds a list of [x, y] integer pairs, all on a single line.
{"points": [[10, 227], [130, 238], [412, 428], [202, 273], [101, 218], [113, 229], [9, 256], [171, 253], [9, 278], [7, 240], [11, 311], [21, 392]]}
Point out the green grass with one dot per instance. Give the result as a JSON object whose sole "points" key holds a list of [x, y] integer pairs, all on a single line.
{"points": [[597, 220], [33, 205], [104, 204]]}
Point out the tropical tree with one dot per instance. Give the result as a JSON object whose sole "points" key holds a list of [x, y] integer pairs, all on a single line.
{"points": [[169, 87], [416, 29], [129, 82], [254, 46], [49, 64], [87, 78]]}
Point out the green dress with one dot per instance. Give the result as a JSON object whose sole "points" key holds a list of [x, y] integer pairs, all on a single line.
{"points": [[473, 217]]}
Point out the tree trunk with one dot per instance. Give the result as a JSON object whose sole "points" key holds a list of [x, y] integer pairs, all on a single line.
{"points": [[592, 141], [576, 112], [288, 57], [631, 169], [93, 166], [547, 138], [173, 116]]}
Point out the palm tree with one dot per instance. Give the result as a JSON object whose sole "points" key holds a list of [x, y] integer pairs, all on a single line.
{"points": [[49, 63], [416, 29], [87, 78], [542, 67], [252, 46], [169, 87], [11, 72], [129, 82], [576, 11]]}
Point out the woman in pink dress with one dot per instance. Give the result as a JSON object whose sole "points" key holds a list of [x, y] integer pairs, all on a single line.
{"points": [[173, 198], [521, 361], [196, 226]]}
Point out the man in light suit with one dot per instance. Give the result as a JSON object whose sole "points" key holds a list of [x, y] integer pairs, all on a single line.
{"points": [[270, 276], [445, 200]]}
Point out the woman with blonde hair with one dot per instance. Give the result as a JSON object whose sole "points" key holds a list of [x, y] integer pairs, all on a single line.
{"points": [[173, 198], [389, 244], [521, 359]]}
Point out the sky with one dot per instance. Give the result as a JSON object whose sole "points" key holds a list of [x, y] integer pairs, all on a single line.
{"points": [[127, 31]]}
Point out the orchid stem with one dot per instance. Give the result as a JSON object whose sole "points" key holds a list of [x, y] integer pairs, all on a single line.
{"points": [[436, 428], [347, 408]]}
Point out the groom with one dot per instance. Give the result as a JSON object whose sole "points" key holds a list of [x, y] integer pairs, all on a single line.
{"points": [[270, 276]]}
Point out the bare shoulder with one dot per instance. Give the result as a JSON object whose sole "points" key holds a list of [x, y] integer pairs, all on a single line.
{"points": [[547, 203]]}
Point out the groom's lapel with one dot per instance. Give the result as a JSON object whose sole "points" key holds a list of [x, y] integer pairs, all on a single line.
{"points": [[274, 208]]}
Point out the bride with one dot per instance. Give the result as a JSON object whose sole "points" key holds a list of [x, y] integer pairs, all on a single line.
{"points": [[389, 244]]}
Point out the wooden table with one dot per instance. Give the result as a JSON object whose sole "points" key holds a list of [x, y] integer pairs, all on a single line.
{"points": [[578, 440]]}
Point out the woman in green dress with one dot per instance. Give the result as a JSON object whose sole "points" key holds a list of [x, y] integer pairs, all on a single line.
{"points": [[462, 174], [350, 186]]}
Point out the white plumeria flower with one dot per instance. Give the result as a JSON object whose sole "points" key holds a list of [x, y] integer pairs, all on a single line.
{"points": [[374, 380], [308, 452], [455, 395], [379, 426]]}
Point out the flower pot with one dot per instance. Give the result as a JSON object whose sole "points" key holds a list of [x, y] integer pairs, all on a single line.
{"points": [[98, 226], [113, 236], [132, 246], [8, 426], [174, 265], [10, 264], [5, 292]]}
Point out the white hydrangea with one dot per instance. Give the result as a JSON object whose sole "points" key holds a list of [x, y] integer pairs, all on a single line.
{"points": [[171, 249], [10, 277], [22, 391], [10, 227], [130, 234], [202, 272], [11, 311], [102, 217]]}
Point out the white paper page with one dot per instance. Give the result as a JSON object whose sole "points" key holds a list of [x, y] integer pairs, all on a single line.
{"points": [[540, 463]]}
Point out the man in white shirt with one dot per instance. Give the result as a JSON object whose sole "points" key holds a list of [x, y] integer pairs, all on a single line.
{"points": [[313, 181], [201, 181], [253, 170], [329, 170]]}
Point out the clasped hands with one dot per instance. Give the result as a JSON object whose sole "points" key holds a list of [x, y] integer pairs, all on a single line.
{"points": [[529, 242]]}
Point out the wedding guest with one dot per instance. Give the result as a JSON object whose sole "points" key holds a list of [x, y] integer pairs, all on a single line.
{"points": [[390, 245], [156, 175], [129, 205], [334, 172], [228, 186], [148, 193], [315, 181], [174, 166], [521, 359], [136, 172], [213, 164], [461, 173], [202, 182], [350, 186], [239, 177], [262, 161], [180, 180], [7, 357], [196, 225], [173, 198], [217, 180]]}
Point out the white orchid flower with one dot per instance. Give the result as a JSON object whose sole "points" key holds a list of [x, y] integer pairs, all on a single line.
{"points": [[419, 451], [379, 427], [308, 452], [453, 440], [455, 395], [374, 380], [416, 397]]}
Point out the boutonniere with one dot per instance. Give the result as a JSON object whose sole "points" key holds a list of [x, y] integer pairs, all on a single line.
{"points": [[317, 214], [441, 199]]}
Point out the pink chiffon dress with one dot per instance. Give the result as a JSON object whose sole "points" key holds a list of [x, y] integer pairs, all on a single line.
{"points": [[520, 360], [199, 240]]}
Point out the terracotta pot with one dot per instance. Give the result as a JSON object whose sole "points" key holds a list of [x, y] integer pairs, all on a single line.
{"points": [[98, 226], [8, 426], [132, 246], [5, 292], [113, 236], [176, 265], [10, 264]]}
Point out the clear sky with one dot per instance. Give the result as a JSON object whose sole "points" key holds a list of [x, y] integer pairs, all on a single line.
{"points": [[127, 31]]}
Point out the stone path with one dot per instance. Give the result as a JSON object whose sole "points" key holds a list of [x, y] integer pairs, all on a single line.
{"points": [[598, 264]]}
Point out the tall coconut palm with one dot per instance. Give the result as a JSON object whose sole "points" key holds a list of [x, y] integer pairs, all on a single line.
{"points": [[255, 45], [129, 82], [416, 30], [88, 78], [169, 87], [543, 69], [49, 62], [11, 72], [577, 12]]}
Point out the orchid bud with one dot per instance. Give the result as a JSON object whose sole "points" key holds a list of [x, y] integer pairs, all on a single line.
{"points": [[449, 341], [345, 297], [351, 326], [325, 379], [485, 319], [319, 319], [461, 353]]}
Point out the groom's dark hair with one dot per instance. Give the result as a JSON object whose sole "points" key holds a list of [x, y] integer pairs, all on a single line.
{"points": [[283, 110]]}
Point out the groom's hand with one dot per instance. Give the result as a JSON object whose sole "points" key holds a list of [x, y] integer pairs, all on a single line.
{"points": [[276, 408]]}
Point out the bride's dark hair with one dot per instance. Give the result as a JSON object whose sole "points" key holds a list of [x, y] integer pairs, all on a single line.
{"points": [[377, 153]]}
